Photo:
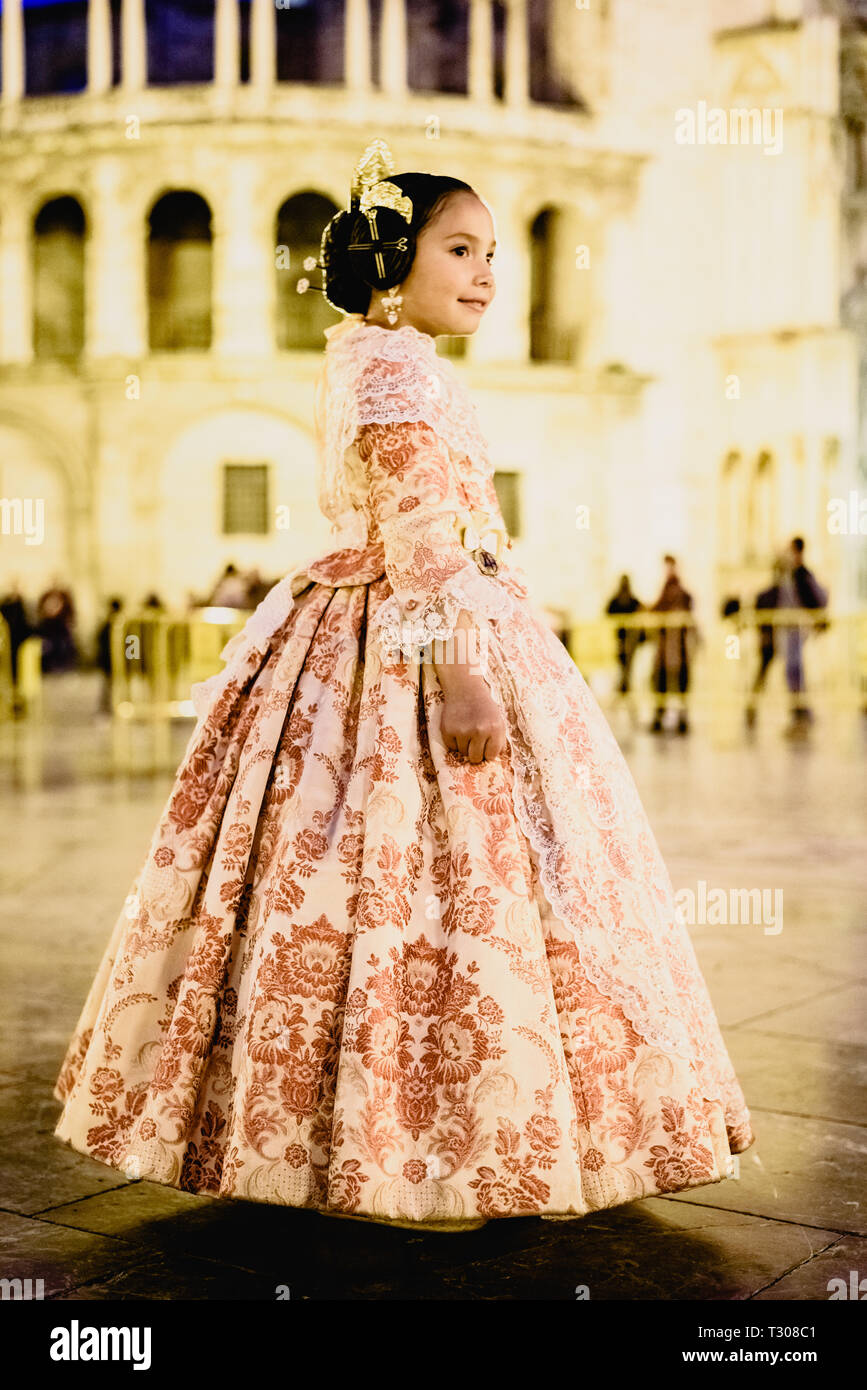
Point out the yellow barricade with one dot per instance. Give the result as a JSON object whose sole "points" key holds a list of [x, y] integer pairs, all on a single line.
{"points": [[156, 657], [725, 660], [24, 694]]}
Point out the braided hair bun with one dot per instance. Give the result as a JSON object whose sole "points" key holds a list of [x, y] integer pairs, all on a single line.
{"points": [[351, 267]]}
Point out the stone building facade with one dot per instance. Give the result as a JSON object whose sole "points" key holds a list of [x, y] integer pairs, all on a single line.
{"points": [[673, 357]]}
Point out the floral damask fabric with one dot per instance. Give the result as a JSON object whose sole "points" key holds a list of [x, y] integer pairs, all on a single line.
{"points": [[359, 974]]}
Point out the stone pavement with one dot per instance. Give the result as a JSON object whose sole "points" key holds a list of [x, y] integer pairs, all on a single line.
{"points": [[789, 988]]}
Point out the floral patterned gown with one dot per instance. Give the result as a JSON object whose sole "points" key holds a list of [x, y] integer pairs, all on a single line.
{"points": [[358, 973]]}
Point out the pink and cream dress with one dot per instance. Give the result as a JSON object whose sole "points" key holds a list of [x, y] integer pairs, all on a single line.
{"points": [[358, 973]]}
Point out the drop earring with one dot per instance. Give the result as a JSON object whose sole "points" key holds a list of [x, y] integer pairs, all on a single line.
{"points": [[391, 303]]}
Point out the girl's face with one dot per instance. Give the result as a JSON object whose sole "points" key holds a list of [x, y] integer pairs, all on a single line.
{"points": [[452, 267]]}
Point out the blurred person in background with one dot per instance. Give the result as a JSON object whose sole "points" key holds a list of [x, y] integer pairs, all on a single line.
{"points": [[14, 613], [103, 653], [256, 588], [230, 591], [55, 620], [798, 588], [152, 607], [628, 638], [768, 598], [674, 649]]}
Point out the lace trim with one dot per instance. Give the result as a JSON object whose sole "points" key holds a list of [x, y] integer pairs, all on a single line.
{"points": [[410, 382], [395, 634], [572, 787]]}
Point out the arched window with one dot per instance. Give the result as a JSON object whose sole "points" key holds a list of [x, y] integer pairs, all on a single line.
{"points": [[761, 511], [58, 279], [300, 319], [546, 48], [179, 273], [731, 514], [550, 340]]}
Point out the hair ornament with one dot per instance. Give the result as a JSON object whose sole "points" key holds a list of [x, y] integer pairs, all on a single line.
{"points": [[369, 235]]}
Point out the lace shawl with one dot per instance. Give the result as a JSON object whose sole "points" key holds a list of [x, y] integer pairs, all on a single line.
{"points": [[416, 385], [419, 386]]}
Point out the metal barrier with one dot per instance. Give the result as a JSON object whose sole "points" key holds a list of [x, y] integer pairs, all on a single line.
{"points": [[156, 657], [22, 695], [7, 685]]}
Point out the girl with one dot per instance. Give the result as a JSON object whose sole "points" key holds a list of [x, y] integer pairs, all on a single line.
{"points": [[403, 947]]}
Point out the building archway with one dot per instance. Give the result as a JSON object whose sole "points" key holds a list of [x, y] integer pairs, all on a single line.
{"points": [[58, 279], [179, 273], [731, 512], [552, 339], [300, 319], [760, 520], [37, 464]]}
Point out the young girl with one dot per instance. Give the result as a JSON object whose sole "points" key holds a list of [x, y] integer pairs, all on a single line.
{"points": [[403, 947]]}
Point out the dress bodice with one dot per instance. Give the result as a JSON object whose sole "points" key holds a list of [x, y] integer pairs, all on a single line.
{"points": [[374, 375]]}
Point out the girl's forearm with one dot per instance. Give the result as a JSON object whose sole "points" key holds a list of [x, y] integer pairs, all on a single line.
{"points": [[458, 665]]}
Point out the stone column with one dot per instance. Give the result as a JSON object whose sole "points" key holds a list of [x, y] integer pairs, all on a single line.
{"points": [[392, 62], [116, 251], [243, 267], [356, 45], [517, 77], [227, 44], [133, 46], [16, 280], [98, 47], [263, 44], [481, 64], [13, 54]]}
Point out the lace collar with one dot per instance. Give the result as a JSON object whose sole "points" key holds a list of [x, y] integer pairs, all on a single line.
{"points": [[357, 323], [419, 386]]}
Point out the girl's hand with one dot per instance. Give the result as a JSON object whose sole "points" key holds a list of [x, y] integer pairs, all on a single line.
{"points": [[472, 723]]}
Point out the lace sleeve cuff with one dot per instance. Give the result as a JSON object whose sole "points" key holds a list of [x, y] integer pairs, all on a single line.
{"points": [[412, 628]]}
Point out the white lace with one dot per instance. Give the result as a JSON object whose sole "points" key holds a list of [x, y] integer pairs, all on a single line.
{"points": [[423, 386], [413, 637], [624, 920]]}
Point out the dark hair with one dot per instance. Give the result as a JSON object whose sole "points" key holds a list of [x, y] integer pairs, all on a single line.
{"points": [[798, 544], [349, 269]]}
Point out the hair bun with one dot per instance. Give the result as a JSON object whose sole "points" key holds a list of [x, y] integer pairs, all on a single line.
{"points": [[354, 261], [388, 261], [352, 265], [340, 285]]}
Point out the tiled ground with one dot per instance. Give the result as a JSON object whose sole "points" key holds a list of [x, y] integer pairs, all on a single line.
{"points": [[792, 1003]]}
